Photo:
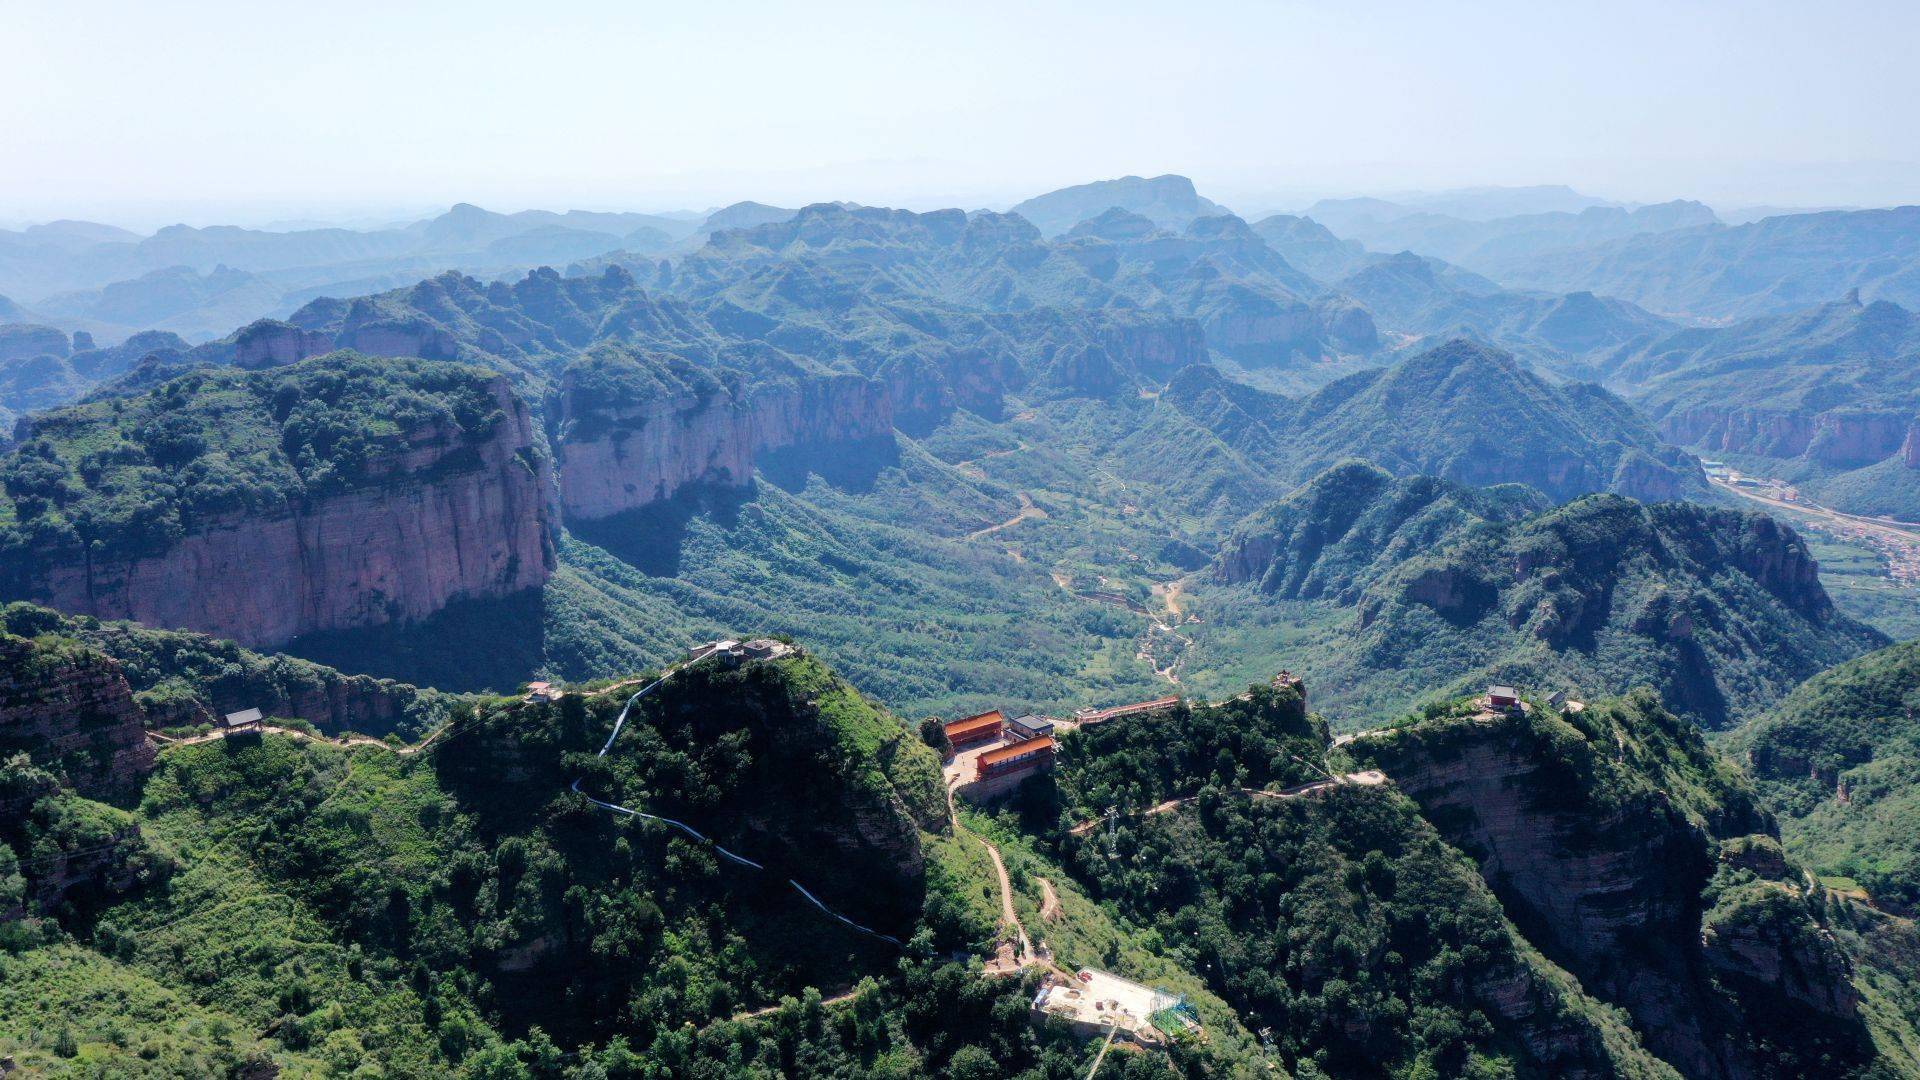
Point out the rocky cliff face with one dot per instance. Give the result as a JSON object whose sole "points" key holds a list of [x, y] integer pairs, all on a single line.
{"points": [[643, 454], [443, 520], [330, 701], [71, 711], [271, 343], [1612, 888], [1840, 438]]}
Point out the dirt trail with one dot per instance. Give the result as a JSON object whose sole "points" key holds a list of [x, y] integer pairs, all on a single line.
{"points": [[767, 1010], [1028, 512], [331, 740], [1163, 629], [1050, 910], [1366, 778], [1007, 914]]}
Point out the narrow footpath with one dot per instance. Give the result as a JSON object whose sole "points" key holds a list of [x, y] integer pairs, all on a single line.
{"points": [[1367, 778], [1027, 957], [618, 724]]}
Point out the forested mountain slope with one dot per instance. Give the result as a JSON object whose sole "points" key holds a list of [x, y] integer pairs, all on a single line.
{"points": [[1428, 587], [1827, 398], [1461, 411], [1836, 760], [341, 492], [1631, 854]]}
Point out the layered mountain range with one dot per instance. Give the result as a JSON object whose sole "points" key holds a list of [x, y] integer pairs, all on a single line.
{"points": [[201, 282], [1825, 397]]}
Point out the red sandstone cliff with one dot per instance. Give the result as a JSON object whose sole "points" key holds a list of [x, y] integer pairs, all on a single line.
{"points": [[443, 520], [71, 710]]}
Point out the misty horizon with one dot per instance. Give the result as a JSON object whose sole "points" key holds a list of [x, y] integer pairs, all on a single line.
{"points": [[150, 118]]}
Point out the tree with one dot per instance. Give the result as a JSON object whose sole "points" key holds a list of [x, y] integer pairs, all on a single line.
{"points": [[934, 733]]}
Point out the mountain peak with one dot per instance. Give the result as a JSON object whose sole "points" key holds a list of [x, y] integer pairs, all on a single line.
{"points": [[1169, 201]]}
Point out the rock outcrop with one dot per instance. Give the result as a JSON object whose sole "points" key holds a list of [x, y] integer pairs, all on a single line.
{"points": [[1840, 438], [631, 457], [271, 343], [442, 519], [71, 711], [1609, 878]]}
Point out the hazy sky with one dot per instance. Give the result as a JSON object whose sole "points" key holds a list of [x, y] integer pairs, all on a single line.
{"points": [[146, 112]]}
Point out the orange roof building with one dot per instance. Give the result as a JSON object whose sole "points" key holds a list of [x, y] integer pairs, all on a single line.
{"points": [[1014, 757], [975, 729]]}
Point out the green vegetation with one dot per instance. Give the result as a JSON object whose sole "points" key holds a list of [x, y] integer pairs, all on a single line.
{"points": [[129, 475], [1663, 874], [1346, 927], [183, 679], [1837, 761], [462, 913], [1720, 611], [1266, 737]]}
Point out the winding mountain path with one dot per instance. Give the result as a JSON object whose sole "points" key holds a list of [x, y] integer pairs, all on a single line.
{"points": [[1028, 512], [1008, 915], [1365, 778]]}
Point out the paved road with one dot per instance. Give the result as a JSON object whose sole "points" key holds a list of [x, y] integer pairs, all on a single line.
{"points": [[1894, 530]]}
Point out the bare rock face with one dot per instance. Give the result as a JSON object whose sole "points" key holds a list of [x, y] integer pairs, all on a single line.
{"points": [[1840, 438], [445, 521], [1784, 955], [1613, 890], [647, 453], [1639, 476], [72, 712], [1773, 555], [1852, 439], [1157, 348], [399, 337], [271, 343], [1910, 446], [1752, 431]]}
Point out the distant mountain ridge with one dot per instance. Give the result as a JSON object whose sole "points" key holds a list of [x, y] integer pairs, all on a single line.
{"points": [[1461, 411], [1783, 264], [1828, 397], [1496, 246], [1168, 201], [112, 282], [1577, 334]]}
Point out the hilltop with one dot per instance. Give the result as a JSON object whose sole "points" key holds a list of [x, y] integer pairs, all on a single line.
{"points": [[1440, 587], [1460, 411], [1168, 201]]}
